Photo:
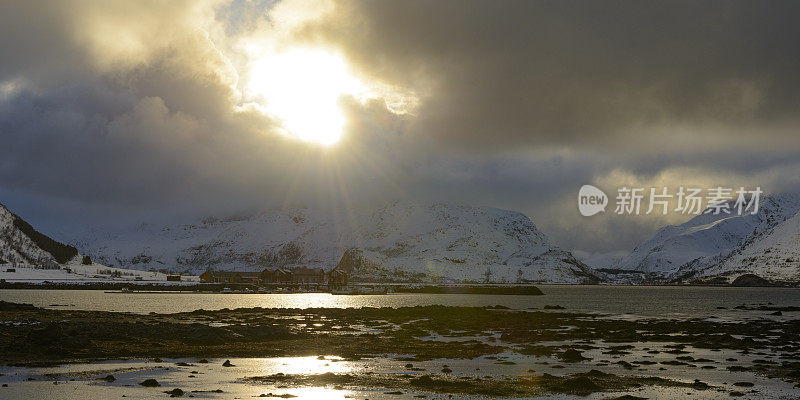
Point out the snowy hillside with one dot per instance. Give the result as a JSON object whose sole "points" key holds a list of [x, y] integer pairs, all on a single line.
{"points": [[395, 243], [92, 273], [20, 244], [604, 260], [707, 240], [775, 255]]}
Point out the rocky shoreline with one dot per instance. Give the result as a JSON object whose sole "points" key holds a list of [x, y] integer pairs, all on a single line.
{"points": [[553, 351]]}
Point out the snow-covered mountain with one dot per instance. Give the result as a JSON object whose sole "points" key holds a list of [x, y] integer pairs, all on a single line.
{"points": [[21, 244], [399, 242], [711, 244], [774, 255], [608, 260]]}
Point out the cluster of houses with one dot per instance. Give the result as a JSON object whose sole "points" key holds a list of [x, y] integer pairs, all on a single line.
{"points": [[297, 276]]}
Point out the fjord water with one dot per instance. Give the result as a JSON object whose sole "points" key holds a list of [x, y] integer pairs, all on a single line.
{"points": [[633, 301]]}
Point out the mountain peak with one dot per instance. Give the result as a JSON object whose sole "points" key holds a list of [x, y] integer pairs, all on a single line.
{"points": [[706, 242]]}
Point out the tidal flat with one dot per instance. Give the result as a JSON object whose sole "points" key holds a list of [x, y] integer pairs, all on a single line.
{"points": [[404, 352]]}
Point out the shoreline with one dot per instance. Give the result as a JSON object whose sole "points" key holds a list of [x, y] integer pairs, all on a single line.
{"points": [[431, 347], [151, 287]]}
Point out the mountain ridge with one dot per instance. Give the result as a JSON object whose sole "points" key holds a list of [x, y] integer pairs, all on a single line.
{"points": [[397, 242], [21, 243], [709, 245]]}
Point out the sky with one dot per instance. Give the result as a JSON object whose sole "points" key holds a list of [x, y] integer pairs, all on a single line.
{"points": [[117, 112]]}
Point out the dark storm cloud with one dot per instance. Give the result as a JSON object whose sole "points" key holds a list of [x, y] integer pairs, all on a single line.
{"points": [[535, 72], [123, 111]]}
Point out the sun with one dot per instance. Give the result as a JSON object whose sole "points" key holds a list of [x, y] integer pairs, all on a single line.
{"points": [[301, 89]]}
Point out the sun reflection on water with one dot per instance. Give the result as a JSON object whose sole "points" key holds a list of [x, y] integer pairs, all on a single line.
{"points": [[315, 393], [306, 365]]}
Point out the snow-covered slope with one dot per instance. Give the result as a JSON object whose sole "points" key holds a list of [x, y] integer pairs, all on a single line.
{"points": [[774, 255], [92, 273], [608, 260], [708, 240], [20, 244], [399, 242]]}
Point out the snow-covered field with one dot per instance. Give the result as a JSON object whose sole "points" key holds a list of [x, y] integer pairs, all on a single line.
{"points": [[85, 273]]}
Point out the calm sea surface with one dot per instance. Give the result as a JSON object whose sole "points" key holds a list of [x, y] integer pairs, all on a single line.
{"points": [[634, 301]]}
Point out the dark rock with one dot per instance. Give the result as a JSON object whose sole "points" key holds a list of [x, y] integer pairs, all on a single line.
{"points": [[203, 361], [776, 313], [227, 363], [751, 280], [174, 392], [699, 385], [744, 384], [572, 355], [108, 378], [625, 364], [150, 383]]}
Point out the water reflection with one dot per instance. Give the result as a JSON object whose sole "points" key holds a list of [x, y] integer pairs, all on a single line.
{"points": [[316, 393], [306, 365], [200, 380], [246, 379]]}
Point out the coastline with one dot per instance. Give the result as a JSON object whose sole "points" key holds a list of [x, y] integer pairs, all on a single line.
{"points": [[548, 352]]}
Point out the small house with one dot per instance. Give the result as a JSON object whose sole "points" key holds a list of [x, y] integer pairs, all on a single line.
{"points": [[307, 275], [221, 277], [275, 275], [250, 277], [337, 279]]}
